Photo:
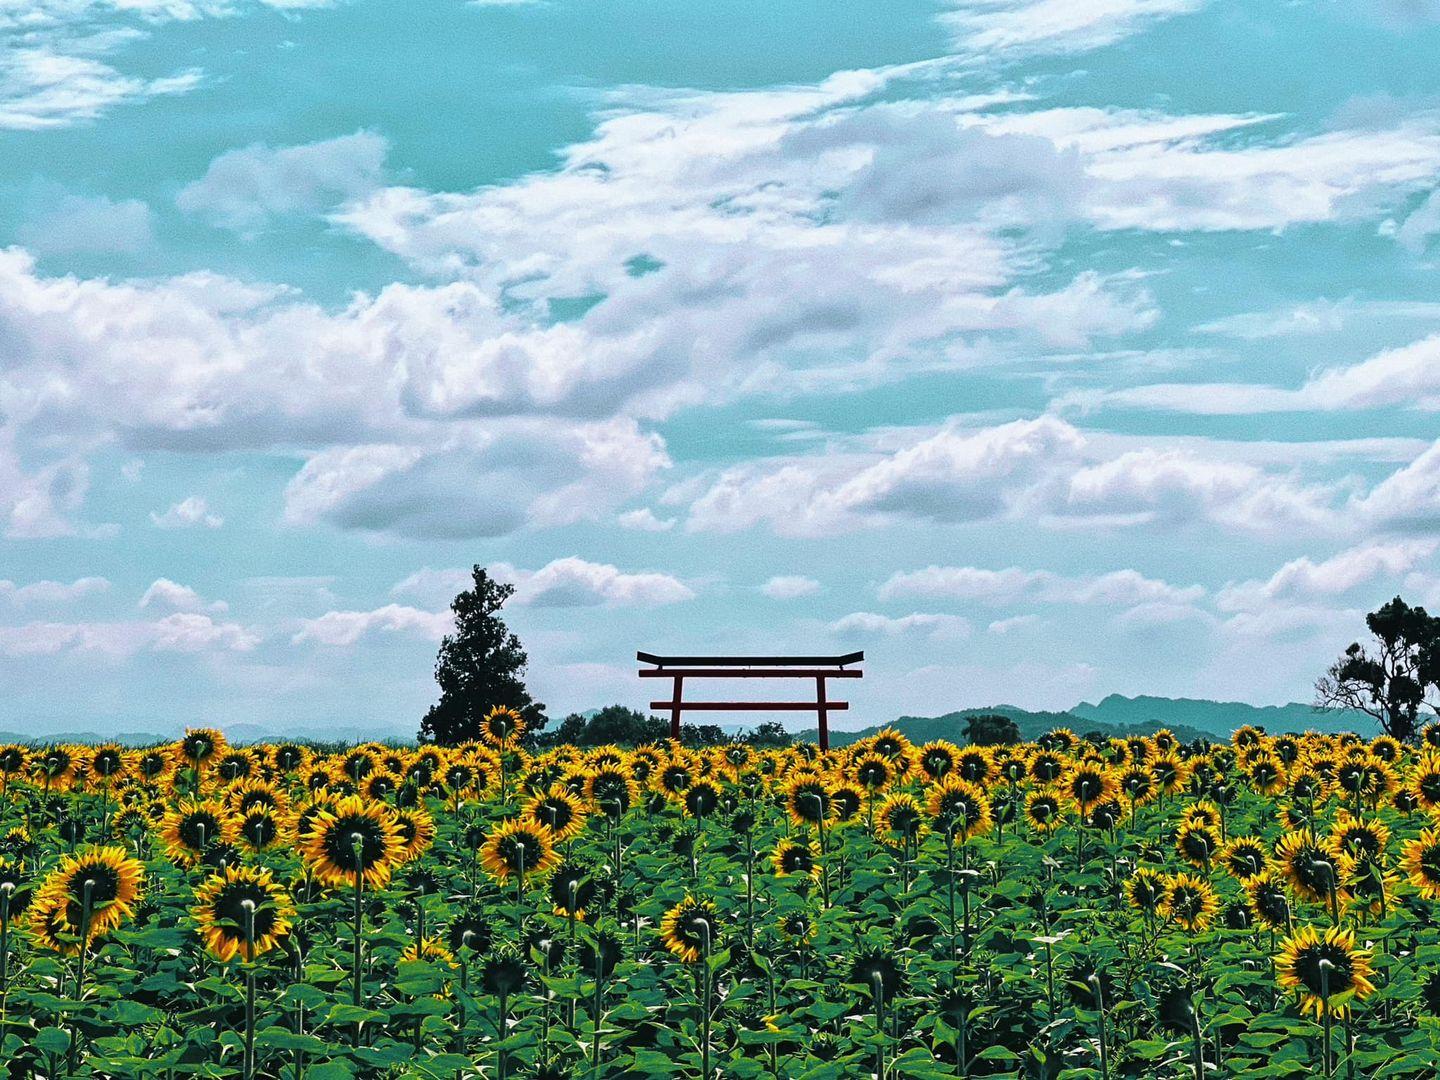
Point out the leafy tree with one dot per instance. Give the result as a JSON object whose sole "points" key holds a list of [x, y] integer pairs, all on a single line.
{"points": [[621, 725], [769, 733], [991, 729], [1395, 679], [481, 665]]}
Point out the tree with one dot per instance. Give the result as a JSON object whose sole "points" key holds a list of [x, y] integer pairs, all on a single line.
{"points": [[991, 729], [481, 665], [1398, 679], [769, 733]]}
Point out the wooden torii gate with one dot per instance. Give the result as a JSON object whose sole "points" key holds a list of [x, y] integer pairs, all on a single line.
{"points": [[818, 668]]}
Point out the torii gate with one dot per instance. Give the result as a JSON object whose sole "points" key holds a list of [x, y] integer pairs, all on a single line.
{"points": [[818, 668]]}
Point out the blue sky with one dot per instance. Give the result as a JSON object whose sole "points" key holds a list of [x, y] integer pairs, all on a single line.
{"points": [[1041, 349]]}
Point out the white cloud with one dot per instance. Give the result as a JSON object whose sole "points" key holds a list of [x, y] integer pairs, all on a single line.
{"points": [[1042, 470], [644, 520], [790, 587], [575, 582], [164, 593], [244, 189], [342, 629], [1055, 26], [182, 632], [437, 587], [70, 223], [44, 88], [1304, 579], [1421, 224], [1403, 377], [1117, 588], [186, 514], [871, 624], [1408, 499], [51, 593]]}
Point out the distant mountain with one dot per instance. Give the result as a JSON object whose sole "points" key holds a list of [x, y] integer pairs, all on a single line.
{"points": [[1188, 718], [951, 726], [1219, 718]]}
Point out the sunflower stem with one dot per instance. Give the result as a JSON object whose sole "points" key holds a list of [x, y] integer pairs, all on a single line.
{"points": [[357, 845], [1327, 1047]]}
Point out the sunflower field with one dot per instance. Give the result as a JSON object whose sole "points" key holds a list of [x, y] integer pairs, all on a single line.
{"points": [[1060, 909]]}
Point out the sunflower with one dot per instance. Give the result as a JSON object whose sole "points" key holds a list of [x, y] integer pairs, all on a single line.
{"points": [[1046, 767], [1043, 810], [101, 884], [1420, 860], [975, 764], [1170, 771], [1425, 780], [900, 821], [519, 846], [1145, 890], [572, 890], [937, 759], [672, 777], [701, 798], [1197, 844], [1137, 784], [1266, 774], [873, 772], [200, 747], [559, 810], [1087, 784], [1369, 882], [429, 948], [502, 727], [846, 800], [352, 841], [1358, 836], [1190, 902], [193, 826], [612, 789], [417, 831], [689, 929], [959, 808], [879, 972], [1327, 970], [262, 829], [808, 800], [242, 911], [792, 858], [1244, 857], [1268, 901], [1309, 864], [248, 795]]}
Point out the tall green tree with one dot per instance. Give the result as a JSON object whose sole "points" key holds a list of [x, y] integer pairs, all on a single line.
{"points": [[1397, 679], [481, 665]]}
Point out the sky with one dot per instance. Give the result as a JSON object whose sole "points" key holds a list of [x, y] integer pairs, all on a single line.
{"points": [[1042, 349]]}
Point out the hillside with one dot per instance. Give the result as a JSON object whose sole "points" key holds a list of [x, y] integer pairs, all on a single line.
{"points": [[1219, 718]]}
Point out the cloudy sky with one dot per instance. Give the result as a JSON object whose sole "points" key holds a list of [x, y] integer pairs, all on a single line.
{"points": [[1041, 348]]}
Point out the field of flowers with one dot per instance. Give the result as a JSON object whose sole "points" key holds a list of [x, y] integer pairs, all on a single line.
{"points": [[1132, 908]]}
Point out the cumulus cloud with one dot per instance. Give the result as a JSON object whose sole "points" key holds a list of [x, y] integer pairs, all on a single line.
{"points": [[1043, 470], [1121, 588], [188, 513], [644, 520], [343, 629], [170, 595], [64, 223], [46, 87], [1304, 579], [179, 632], [51, 593], [862, 624], [576, 582], [246, 188], [790, 587]]}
